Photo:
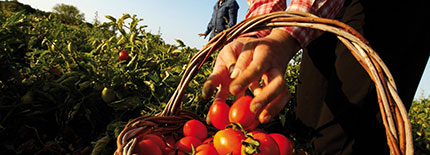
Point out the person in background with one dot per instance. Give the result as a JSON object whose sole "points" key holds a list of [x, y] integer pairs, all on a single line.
{"points": [[335, 96], [224, 16]]}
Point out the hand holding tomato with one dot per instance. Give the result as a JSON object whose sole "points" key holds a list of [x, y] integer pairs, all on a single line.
{"points": [[254, 59]]}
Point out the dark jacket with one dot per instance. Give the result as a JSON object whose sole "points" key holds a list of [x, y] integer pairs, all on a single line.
{"points": [[223, 17]]}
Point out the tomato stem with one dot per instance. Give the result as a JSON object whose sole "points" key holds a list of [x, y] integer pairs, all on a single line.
{"points": [[237, 126], [251, 145]]}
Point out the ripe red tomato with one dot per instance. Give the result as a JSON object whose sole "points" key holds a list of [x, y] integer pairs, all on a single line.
{"points": [[285, 145], [228, 141], [147, 147], [170, 141], [206, 149], [196, 129], [218, 114], [240, 112], [123, 55], [156, 139], [255, 131], [174, 153], [253, 125], [186, 144], [268, 146]]}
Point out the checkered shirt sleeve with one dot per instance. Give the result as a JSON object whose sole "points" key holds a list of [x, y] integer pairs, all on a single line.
{"points": [[321, 8]]}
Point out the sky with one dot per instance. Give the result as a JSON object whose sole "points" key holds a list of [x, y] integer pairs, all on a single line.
{"points": [[172, 19]]}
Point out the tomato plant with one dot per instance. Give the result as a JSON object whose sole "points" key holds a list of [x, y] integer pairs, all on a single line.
{"points": [[66, 67], [241, 113], [420, 124], [196, 129], [218, 114]]}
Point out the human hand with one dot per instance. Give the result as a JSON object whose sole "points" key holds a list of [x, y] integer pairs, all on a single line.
{"points": [[203, 35], [254, 59], [224, 65]]}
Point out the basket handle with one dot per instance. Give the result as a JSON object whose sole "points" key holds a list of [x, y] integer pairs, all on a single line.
{"points": [[394, 114]]}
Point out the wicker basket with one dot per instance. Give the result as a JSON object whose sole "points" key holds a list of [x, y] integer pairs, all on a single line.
{"points": [[394, 114]]}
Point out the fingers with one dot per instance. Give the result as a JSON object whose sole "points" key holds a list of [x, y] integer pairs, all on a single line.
{"points": [[268, 93], [274, 107], [214, 80], [218, 75], [223, 93], [229, 53], [244, 59], [221, 72], [256, 68], [209, 86], [255, 88]]}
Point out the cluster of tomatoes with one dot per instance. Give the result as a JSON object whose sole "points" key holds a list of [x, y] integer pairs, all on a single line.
{"points": [[194, 140], [237, 135]]}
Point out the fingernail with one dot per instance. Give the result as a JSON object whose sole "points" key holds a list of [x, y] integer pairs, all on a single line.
{"points": [[231, 68], [257, 91], [256, 107], [235, 89], [207, 90], [235, 73], [266, 118]]}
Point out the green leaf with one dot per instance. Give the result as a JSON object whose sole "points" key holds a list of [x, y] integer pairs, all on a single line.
{"points": [[180, 42], [154, 77], [74, 111], [419, 133], [125, 16], [100, 145], [133, 25], [111, 18], [150, 84], [13, 18], [283, 119]]}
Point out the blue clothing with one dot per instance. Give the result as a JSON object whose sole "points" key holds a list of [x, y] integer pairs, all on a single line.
{"points": [[223, 17]]}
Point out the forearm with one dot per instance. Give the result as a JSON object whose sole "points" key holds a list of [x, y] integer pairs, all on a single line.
{"points": [[320, 8], [209, 27], [261, 7]]}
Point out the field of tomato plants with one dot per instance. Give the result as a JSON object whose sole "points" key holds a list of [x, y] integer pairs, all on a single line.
{"points": [[70, 87]]}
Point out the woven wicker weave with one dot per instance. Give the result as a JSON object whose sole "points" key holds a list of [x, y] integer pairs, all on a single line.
{"points": [[394, 114]]}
